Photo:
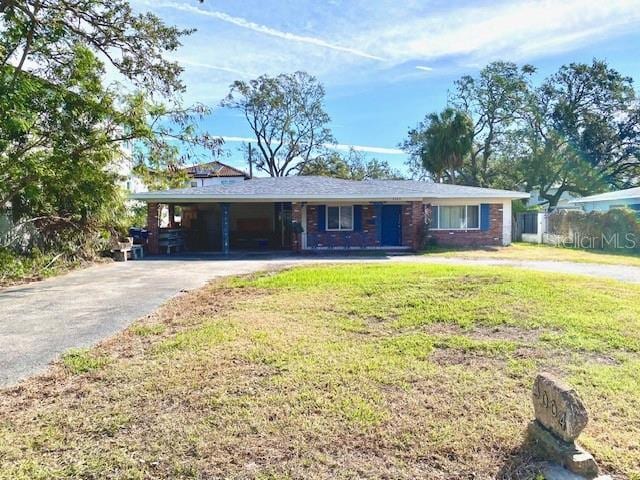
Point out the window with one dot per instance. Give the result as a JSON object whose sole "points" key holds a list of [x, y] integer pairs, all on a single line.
{"points": [[194, 183], [455, 217], [340, 218], [473, 216]]}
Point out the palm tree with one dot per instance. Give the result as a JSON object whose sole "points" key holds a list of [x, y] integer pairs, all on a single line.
{"points": [[446, 141]]}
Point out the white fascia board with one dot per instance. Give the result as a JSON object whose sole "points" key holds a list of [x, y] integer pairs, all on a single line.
{"points": [[488, 196], [606, 199], [466, 200]]}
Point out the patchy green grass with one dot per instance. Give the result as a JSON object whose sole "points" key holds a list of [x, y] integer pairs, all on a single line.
{"points": [[530, 251], [352, 371], [146, 330], [82, 360]]}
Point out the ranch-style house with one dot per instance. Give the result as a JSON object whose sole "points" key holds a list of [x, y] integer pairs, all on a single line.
{"points": [[310, 213]]}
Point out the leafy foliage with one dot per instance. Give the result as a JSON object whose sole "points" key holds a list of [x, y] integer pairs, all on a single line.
{"points": [[495, 100], [578, 131], [441, 142], [63, 133], [582, 132], [354, 166], [287, 116], [45, 33]]}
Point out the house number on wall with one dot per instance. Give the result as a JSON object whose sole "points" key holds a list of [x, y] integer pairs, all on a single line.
{"points": [[543, 397]]}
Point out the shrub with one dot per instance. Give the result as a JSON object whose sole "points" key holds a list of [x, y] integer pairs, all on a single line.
{"points": [[616, 228]]}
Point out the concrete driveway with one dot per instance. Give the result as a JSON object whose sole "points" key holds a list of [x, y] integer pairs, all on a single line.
{"points": [[39, 321]]}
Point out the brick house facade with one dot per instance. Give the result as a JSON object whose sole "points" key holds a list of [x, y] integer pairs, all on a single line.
{"points": [[472, 237], [367, 228], [267, 213]]}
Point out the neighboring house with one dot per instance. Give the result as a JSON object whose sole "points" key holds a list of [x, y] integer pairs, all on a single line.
{"points": [[564, 203], [214, 173], [264, 213], [210, 173], [123, 166], [629, 198]]}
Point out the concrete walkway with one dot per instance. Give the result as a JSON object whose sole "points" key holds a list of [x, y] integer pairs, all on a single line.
{"points": [[39, 321]]}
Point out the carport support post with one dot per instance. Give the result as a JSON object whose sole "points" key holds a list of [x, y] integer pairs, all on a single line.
{"points": [[225, 227], [378, 213], [153, 229], [172, 215], [296, 217]]}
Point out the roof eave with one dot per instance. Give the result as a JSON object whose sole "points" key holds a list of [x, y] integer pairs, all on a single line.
{"points": [[208, 198], [590, 200]]}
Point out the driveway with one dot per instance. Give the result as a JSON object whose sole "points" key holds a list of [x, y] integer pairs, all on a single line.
{"points": [[39, 321]]}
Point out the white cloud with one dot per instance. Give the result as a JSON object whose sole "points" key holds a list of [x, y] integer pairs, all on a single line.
{"points": [[208, 66], [365, 148], [337, 42], [511, 29], [243, 23], [232, 139], [334, 146]]}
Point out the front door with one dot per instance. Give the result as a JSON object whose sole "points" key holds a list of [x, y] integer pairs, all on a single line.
{"points": [[391, 225]]}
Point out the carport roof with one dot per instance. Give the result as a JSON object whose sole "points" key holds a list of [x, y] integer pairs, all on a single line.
{"points": [[313, 188]]}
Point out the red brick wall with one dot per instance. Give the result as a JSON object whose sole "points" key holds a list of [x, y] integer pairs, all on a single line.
{"points": [[469, 238], [321, 239], [413, 225], [153, 227], [412, 229]]}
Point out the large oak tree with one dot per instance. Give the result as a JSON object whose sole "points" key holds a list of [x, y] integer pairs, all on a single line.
{"points": [[582, 133], [286, 114]]}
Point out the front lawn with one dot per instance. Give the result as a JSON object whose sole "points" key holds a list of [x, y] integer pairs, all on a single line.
{"points": [[352, 371], [530, 251]]}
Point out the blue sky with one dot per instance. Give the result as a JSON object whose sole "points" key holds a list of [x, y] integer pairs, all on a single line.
{"points": [[385, 63]]}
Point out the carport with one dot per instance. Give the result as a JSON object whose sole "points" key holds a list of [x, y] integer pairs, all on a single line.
{"points": [[207, 227]]}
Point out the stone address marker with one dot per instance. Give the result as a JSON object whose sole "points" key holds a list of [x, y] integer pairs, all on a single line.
{"points": [[558, 408], [560, 417]]}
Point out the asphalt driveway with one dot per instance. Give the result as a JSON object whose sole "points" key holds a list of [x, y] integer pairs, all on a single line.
{"points": [[38, 321], [41, 320]]}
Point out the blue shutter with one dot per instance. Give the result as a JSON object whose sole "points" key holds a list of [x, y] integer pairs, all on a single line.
{"points": [[485, 219], [357, 218], [321, 219]]}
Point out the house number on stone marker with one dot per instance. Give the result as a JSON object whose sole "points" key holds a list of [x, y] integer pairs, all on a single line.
{"points": [[560, 416]]}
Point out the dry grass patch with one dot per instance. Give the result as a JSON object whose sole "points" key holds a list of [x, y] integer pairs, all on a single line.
{"points": [[530, 251], [392, 371]]}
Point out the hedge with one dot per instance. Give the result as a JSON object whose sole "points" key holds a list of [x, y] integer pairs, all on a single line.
{"points": [[611, 230]]}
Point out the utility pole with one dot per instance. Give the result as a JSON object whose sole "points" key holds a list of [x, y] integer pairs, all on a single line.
{"points": [[250, 162]]}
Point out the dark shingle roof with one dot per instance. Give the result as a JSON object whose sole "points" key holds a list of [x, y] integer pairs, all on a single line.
{"points": [[312, 188]]}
